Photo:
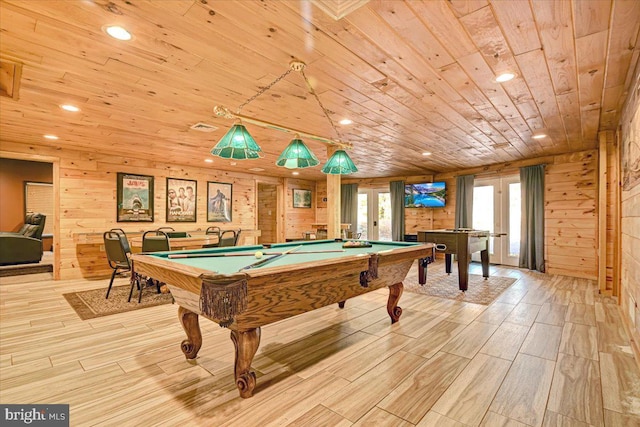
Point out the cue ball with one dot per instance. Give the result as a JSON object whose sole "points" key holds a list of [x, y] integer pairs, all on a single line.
{"points": [[258, 254]]}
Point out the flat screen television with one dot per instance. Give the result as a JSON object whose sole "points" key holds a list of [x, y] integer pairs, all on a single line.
{"points": [[425, 195]]}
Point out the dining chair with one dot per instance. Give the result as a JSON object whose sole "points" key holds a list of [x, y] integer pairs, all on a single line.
{"points": [[166, 229], [155, 241], [116, 255], [123, 238], [152, 241], [213, 230], [228, 238]]}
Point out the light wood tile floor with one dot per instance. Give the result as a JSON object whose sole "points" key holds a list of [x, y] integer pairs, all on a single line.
{"points": [[548, 352]]}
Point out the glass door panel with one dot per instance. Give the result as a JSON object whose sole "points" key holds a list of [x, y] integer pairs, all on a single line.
{"points": [[484, 212], [496, 207], [384, 216], [363, 215], [374, 214]]}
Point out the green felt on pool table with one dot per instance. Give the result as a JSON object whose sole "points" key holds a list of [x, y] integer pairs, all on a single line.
{"points": [[232, 264]]}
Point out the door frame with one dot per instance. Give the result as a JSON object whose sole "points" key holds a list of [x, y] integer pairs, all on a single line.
{"points": [[373, 230], [55, 162], [500, 236]]}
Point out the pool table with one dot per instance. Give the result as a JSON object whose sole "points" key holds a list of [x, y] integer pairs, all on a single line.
{"points": [[237, 290]]}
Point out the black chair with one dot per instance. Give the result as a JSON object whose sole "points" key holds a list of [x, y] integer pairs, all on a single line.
{"points": [[123, 238], [116, 255], [228, 238], [166, 229], [177, 234], [216, 232], [155, 241], [152, 241]]}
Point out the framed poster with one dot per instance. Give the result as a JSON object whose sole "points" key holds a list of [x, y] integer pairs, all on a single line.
{"points": [[182, 196], [134, 198], [219, 201], [301, 198]]}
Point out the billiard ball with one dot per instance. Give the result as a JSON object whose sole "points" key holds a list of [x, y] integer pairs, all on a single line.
{"points": [[259, 254]]}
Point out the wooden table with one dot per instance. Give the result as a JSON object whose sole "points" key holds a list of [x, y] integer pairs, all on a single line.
{"points": [[462, 243], [214, 283]]}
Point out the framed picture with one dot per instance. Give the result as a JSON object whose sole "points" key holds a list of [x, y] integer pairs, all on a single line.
{"points": [[134, 198], [219, 201], [301, 198], [182, 196]]}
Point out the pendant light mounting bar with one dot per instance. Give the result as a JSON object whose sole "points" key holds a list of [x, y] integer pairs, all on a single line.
{"points": [[224, 112]]}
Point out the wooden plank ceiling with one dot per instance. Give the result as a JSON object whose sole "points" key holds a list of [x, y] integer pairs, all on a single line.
{"points": [[413, 76]]}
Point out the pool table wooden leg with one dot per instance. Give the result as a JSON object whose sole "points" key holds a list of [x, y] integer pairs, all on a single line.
{"points": [[189, 321], [395, 292], [246, 344]]}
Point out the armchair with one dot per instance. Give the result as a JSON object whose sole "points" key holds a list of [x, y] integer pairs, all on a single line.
{"points": [[25, 246]]}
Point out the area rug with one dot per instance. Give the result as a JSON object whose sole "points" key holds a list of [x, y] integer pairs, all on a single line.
{"points": [[92, 304], [443, 285]]}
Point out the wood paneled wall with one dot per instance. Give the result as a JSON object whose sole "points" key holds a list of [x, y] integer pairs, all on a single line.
{"points": [[446, 217], [613, 215], [299, 220], [630, 217], [570, 199], [571, 217], [88, 201]]}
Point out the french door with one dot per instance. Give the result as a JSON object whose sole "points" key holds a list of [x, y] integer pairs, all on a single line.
{"points": [[496, 207], [374, 214]]}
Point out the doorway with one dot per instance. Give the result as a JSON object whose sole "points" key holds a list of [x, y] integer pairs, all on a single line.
{"points": [[374, 214], [55, 220], [496, 207]]}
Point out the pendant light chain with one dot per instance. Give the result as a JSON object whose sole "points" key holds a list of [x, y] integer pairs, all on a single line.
{"points": [[264, 89], [324, 110]]}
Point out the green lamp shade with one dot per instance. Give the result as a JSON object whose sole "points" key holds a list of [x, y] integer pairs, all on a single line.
{"points": [[238, 144], [297, 155], [339, 164]]}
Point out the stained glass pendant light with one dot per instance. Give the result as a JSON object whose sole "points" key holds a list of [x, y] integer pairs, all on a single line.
{"points": [[297, 155], [238, 144], [339, 164]]}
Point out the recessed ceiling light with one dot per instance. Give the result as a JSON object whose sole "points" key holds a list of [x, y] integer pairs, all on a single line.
{"points": [[51, 137], [345, 122], [539, 136], [295, 173], [426, 153], [69, 107], [208, 160], [118, 33], [505, 77], [233, 163]]}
